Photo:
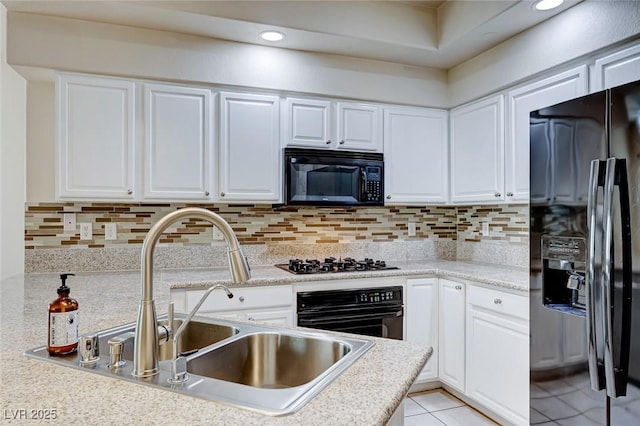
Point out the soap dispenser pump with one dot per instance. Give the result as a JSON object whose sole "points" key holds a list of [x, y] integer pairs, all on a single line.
{"points": [[63, 321]]}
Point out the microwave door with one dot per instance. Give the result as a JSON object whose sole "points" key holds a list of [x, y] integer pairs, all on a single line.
{"points": [[334, 183]]}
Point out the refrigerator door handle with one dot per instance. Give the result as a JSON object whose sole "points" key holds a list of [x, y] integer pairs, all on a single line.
{"points": [[616, 375], [595, 371]]}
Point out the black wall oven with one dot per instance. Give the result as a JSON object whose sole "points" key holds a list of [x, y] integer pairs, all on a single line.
{"points": [[333, 178], [375, 311]]}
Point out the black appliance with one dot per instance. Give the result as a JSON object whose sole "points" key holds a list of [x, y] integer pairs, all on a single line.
{"points": [[331, 264], [585, 257], [375, 311], [333, 178]]}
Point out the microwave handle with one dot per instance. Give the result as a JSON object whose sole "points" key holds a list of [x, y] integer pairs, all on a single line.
{"points": [[363, 182]]}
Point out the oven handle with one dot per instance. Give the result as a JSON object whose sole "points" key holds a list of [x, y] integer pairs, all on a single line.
{"points": [[356, 317]]}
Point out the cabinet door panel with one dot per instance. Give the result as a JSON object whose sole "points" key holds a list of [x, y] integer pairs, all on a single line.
{"points": [[422, 320], [416, 156], [497, 377], [617, 69], [359, 127], [559, 88], [249, 148], [477, 151], [177, 142], [96, 138], [451, 334], [307, 123]]}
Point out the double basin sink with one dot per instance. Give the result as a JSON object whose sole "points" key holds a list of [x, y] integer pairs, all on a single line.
{"points": [[257, 367]]}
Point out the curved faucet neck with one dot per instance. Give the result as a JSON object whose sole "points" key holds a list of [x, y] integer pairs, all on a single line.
{"points": [[158, 229]]}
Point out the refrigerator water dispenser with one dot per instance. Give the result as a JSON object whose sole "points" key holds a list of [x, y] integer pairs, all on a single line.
{"points": [[563, 273]]}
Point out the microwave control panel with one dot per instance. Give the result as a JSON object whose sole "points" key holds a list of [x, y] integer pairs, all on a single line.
{"points": [[373, 183]]}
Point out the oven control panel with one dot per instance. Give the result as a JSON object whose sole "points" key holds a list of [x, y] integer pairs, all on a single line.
{"points": [[376, 296]]}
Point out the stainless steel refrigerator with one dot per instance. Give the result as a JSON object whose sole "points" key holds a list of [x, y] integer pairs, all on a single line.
{"points": [[585, 260]]}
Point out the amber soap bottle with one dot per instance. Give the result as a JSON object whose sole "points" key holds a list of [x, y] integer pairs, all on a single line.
{"points": [[63, 322]]}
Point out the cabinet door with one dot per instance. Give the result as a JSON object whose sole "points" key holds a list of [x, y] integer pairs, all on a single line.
{"points": [[618, 68], [477, 151], [178, 143], [249, 148], [451, 335], [307, 123], [359, 127], [416, 156], [279, 317], [96, 138], [422, 321], [497, 343], [559, 88]]}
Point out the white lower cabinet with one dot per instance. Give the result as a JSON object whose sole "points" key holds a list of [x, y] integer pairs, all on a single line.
{"points": [[271, 304], [497, 349], [451, 345], [422, 320]]}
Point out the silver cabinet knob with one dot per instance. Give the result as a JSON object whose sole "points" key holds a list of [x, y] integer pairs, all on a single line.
{"points": [[388, 197], [497, 301], [458, 287], [509, 194], [241, 298], [328, 142], [497, 195], [129, 192], [342, 142], [206, 193], [222, 194]]}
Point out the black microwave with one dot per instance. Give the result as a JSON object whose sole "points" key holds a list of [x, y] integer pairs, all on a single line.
{"points": [[333, 178]]}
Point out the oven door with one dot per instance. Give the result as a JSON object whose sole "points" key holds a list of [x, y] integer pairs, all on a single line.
{"points": [[385, 322]]}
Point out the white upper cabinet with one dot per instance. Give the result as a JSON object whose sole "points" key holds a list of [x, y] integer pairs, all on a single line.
{"points": [[307, 123], [416, 155], [322, 124], [521, 101], [618, 68], [178, 143], [477, 151], [249, 161], [359, 127], [96, 138]]}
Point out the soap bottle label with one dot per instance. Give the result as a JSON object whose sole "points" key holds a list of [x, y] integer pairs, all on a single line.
{"points": [[64, 328]]}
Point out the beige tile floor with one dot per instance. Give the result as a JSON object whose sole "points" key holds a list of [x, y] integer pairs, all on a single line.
{"points": [[437, 408]]}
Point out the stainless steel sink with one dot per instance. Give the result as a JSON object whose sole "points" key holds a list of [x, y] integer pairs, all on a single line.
{"points": [[196, 336], [270, 360], [257, 367]]}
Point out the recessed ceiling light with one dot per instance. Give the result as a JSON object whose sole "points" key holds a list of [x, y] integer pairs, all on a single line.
{"points": [[272, 35], [548, 4]]}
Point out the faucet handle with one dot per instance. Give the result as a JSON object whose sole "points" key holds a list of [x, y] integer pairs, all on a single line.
{"points": [[170, 312]]}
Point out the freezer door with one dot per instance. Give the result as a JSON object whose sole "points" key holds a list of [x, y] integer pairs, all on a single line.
{"points": [[624, 137]]}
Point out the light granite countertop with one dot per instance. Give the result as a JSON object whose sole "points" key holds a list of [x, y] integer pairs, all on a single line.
{"points": [[365, 394], [515, 279]]}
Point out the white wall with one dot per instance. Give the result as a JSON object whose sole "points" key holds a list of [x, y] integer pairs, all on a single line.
{"points": [[40, 141], [585, 28], [12, 162], [91, 47]]}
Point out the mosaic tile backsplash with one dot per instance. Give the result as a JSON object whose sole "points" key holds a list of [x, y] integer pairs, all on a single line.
{"points": [[275, 229]]}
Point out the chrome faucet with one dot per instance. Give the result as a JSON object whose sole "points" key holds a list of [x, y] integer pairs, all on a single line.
{"points": [[145, 354], [178, 362]]}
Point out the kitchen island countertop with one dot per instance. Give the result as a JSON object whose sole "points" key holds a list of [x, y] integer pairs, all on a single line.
{"points": [[367, 393]]}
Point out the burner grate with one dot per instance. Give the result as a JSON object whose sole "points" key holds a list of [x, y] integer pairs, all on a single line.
{"points": [[331, 264]]}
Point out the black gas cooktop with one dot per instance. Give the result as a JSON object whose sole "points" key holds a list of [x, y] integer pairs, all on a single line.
{"points": [[331, 264]]}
